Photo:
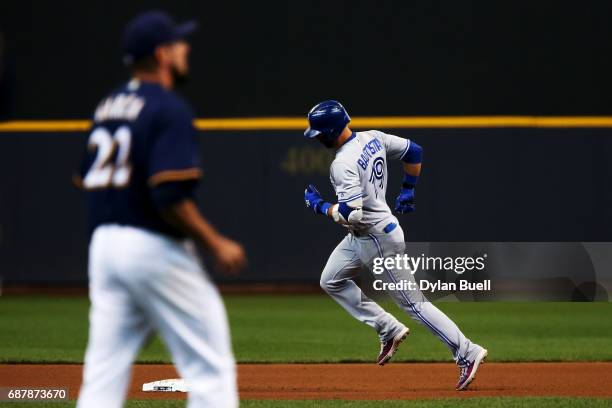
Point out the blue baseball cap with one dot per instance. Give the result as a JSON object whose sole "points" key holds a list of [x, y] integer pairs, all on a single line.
{"points": [[149, 30]]}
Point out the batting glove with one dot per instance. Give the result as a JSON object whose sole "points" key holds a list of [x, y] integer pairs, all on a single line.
{"points": [[404, 203], [313, 200]]}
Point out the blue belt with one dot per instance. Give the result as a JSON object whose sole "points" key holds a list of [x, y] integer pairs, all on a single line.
{"points": [[390, 227]]}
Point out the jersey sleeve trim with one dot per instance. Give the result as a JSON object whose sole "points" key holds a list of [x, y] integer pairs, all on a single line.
{"points": [[405, 150], [174, 175]]}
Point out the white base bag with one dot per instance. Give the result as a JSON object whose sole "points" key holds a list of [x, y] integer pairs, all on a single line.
{"points": [[171, 385]]}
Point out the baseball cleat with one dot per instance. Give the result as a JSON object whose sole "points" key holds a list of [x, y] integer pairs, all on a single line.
{"points": [[468, 373], [389, 347]]}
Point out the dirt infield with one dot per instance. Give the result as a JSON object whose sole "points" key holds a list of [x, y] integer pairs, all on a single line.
{"points": [[354, 381]]}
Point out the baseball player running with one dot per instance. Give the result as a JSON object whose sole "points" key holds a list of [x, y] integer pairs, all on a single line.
{"points": [[140, 172], [359, 177]]}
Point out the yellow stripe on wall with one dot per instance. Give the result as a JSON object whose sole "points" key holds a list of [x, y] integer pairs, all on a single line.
{"points": [[362, 122], [45, 126], [399, 122]]}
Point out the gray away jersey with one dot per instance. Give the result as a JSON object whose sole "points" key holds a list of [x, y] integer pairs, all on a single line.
{"points": [[360, 171]]}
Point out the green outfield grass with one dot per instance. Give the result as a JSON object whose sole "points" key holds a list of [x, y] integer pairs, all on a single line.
{"points": [[529, 402], [310, 328]]}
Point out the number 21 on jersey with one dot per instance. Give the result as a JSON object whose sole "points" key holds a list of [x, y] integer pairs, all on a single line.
{"points": [[104, 171]]}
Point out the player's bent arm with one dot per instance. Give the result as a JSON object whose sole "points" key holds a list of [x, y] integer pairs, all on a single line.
{"points": [[185, 215], [412, 158], [176, 206], [344, 213], [347, 213]]}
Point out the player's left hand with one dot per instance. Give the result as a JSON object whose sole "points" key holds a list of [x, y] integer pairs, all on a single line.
{"points": [[312, 197], [404, 203]]}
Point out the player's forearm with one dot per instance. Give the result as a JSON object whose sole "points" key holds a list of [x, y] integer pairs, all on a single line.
{"points": [[412, 169], [186, 216], [343, 213], [412, 165], [404, 203]]}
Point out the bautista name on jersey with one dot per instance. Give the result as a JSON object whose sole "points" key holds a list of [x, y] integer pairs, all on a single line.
{"points": [[359, 172], [370, 149]]}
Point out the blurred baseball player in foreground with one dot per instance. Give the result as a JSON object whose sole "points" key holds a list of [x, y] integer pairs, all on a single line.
{"points": [[359, 177], [140, 172]]}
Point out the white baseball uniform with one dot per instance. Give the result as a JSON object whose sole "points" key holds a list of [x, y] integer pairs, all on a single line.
{"points": [[143, 282], [359, 171]]}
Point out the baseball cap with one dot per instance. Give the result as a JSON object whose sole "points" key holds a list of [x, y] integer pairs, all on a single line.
{"points": [[150, 29]]}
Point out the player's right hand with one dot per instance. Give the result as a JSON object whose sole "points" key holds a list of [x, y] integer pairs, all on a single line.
{"points": [[312, 198], [229, 255]]}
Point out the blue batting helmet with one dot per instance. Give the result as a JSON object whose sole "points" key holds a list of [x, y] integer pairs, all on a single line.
{"points": [[328, 118]]}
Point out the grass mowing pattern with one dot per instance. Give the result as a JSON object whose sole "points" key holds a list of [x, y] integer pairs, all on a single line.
{"points": [[309, 328]]}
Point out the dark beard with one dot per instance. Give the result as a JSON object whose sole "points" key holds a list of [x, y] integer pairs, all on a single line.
{"points": [[326, 142], [178, 77]]}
